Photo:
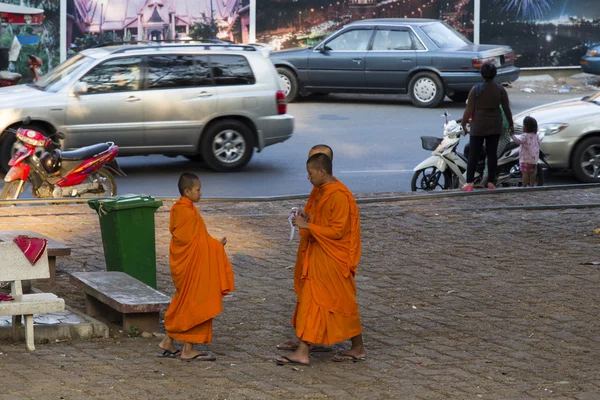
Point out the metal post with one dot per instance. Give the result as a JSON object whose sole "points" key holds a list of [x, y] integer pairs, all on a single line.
{"points": [[477, 21], [101, 16], [252, 30], [212, 21], [63, 30]]}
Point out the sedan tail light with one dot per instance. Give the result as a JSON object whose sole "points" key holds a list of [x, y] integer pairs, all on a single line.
{"points": [[281, 105], [509, 58], [478, 62]]}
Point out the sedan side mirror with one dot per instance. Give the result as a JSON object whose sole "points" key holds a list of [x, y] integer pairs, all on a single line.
{"points": [[324, 48], [80, 88]]}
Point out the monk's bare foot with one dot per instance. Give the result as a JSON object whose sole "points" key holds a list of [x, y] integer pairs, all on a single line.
{"points": [[166, 345], [292, 345], [198, 356], [293, 358], [354, 354]]}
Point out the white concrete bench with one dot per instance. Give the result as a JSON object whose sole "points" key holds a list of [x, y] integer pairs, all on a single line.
{"points": [[117, 296], [14, 268]]}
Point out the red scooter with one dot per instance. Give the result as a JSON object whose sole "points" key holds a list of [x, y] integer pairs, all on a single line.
{"points": [[86, 171], [8, 78]]}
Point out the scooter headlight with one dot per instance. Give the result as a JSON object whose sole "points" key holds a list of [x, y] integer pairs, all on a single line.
{"points": [[31, 137], [552, 128]]}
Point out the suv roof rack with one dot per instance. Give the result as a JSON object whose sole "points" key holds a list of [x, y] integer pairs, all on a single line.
{"points": [[207, 44]]}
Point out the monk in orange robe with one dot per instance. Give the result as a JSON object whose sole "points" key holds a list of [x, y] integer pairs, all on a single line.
{"points": [[327, 310], [201, 273], [292, 344]]}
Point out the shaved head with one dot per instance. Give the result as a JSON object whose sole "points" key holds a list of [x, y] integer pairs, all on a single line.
{"points": [[320, 161], [187, 181], [321, 148]]}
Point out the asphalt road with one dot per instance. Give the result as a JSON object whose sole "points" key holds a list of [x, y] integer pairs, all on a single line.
{"points": [[376, 142]]}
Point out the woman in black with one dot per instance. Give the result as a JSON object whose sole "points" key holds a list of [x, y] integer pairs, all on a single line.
{"points": [[486, 124]]}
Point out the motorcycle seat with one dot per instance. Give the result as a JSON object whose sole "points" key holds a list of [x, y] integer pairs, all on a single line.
{"points": [[84, 152]]}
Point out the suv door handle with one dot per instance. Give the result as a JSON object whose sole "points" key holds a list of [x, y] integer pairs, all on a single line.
{"points": [[204, 94], [357, 60], [132, 99]]}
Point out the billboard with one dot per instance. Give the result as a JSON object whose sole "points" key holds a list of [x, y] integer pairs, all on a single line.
{"points": [[27, 34], [292, 23], [543, 33]]}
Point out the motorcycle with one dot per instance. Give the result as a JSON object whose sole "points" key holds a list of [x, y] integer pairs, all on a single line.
{"points": [[8, 78], [447, 167], [57, 174]]}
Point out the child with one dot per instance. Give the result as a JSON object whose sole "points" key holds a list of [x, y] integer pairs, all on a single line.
{"points": [[530, 150], [201, 273]]}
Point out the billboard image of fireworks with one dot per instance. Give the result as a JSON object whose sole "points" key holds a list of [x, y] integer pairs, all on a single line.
{"points": [[293, 23], [543, 33]]}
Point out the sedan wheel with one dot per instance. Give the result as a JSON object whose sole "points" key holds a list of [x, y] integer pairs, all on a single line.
{"points": [[586, 161], [426, 90], [289, 82]]}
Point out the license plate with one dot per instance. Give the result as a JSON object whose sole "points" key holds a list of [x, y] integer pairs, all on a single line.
{"points": [[498, 61]]}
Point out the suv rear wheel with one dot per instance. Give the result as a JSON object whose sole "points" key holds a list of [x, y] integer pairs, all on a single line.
{"points": [[227, 145], [289, 82], [426, 90]]}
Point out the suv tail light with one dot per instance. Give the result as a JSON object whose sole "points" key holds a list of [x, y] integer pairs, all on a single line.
{"points": [[281, 105]]}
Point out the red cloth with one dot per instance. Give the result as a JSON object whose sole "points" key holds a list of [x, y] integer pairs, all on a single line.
{"points": [[32, 247], [4, 297]]}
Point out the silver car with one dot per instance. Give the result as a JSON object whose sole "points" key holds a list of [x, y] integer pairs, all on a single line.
{"points": [[572, 135], [211, 102]]}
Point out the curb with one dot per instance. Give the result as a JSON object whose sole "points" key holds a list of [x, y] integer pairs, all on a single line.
{"points": [[372, 199]]}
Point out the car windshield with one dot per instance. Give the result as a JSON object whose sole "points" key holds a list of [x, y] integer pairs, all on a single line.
{"points": [[57, 78], [444, 36]]}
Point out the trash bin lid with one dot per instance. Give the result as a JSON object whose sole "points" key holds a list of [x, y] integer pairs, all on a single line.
{"points": [[124, 202]]}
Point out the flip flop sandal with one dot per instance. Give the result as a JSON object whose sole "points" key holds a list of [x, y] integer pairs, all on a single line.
{"points": [[169, 354], [344, 357], [204, 356], [291, 362]]}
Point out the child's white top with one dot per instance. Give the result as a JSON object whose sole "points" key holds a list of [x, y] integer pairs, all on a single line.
{"points": [[530, 148]]}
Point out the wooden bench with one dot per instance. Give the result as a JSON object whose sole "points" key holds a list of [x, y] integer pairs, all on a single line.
{"points": [[14, 267], [119, 296], [55, 249]]}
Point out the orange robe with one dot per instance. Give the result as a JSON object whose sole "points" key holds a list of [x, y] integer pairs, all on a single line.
{"points": [[201, 273], [327, 310]]}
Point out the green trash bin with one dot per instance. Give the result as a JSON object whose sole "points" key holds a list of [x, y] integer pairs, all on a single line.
{"points": [[127, 225]]}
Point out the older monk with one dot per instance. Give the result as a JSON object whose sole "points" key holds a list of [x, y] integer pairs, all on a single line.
{"points": [[327, 310]]}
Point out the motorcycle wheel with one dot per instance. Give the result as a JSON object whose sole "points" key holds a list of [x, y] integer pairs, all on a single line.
{"points": [[431, 178], [12, 190], [109, 184]]}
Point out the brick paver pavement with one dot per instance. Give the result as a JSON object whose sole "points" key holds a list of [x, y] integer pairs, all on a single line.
{"points": [[456, 303]]}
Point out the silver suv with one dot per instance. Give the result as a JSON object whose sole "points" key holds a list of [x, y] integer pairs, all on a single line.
{"points": [[211, 102]]}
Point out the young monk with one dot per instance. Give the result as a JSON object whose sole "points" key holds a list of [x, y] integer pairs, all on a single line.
{"points": [[327, 311], [201, 273], [292, 344]]}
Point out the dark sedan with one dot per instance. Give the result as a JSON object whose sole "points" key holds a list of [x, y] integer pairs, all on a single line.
{"points": [[590, 63], [422, 57]]}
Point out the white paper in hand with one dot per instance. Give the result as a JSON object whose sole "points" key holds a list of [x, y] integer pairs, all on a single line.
{"points": [[293, 213]]}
